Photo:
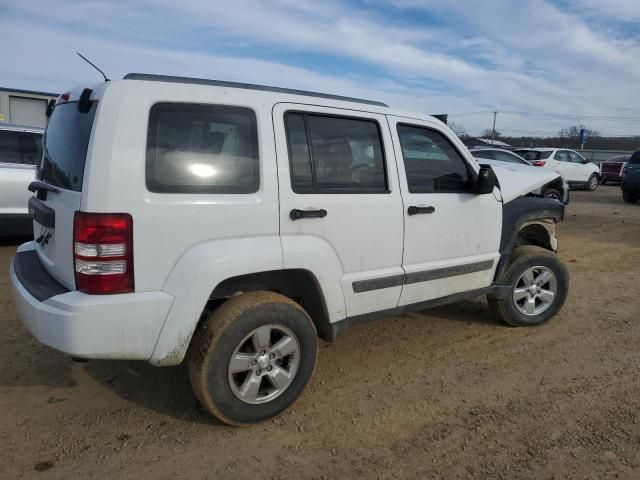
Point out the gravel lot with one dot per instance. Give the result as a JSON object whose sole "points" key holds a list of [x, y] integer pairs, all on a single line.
{"points": [[447, 393]]}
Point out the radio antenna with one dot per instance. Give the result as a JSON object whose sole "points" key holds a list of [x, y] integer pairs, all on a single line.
{"points": [[93, 65]]}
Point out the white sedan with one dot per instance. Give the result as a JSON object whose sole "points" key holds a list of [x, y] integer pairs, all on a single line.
{"points": [[573, 167], [20, 151]]}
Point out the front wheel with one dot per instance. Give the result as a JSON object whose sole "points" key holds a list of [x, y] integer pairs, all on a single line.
{"points": [[252, 357], [629, 197], [539, 286], [553, 193], [592, 183]]}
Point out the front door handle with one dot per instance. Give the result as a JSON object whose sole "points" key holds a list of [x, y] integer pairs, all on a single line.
{"points": [[413, 210], [297, 214]]}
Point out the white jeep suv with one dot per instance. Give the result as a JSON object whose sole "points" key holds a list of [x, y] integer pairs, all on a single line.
{"points": [[230, 225]]}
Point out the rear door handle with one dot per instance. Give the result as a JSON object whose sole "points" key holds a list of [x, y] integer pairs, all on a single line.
{"points": [[297, 214], [413, 210]]}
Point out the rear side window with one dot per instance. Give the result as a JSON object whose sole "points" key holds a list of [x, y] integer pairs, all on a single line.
{"points": [[66, 140], [431, 163], [482, 154], [330, 154], [534, 154], [9, 147], [195, 148], [508, 157]]}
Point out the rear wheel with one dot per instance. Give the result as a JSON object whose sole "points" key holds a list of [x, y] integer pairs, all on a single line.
{"points": [[252, 357], [539, 286], [592, 183], [630, 197]]}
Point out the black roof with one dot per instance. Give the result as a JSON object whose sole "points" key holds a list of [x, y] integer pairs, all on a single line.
{"points": [[247, 86]]}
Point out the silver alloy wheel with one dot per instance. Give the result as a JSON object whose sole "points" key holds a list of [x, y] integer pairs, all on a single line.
{"points": [[593, 182], [553, 195], [535, 290], [264, 364]]}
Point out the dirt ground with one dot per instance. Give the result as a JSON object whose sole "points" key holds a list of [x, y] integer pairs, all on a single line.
{"points": [[447, 393]]}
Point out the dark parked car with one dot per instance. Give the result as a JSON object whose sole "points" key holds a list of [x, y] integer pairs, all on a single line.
{"points": [[611, 169], [631, 179]]}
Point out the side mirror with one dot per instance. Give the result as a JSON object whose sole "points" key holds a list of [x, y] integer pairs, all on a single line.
{"points": [[486, 181]]}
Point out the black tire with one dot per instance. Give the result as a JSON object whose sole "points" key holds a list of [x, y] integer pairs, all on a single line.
{"points": [[630, 197], [523, 258], [223, 331], [592, 183], [552, 193]]}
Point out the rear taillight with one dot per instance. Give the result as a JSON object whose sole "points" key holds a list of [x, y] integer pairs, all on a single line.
{"points": [[538, 163], [103, 252]]}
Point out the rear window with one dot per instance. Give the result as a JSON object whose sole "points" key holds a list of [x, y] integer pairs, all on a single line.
{"points": [[195, 148], [65, 146], [534, 154]]}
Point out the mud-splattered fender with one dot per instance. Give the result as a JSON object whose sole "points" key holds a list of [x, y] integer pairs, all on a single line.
{"points": [[205, 266]]}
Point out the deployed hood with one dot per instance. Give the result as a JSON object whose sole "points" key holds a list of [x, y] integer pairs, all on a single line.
{"points": [[518, 180]]}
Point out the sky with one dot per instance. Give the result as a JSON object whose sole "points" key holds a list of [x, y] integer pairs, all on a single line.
{"points": [[543, 65]]}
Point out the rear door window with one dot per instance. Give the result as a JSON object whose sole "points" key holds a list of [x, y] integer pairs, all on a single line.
{"points": [[10, 147], [562, 156], [331, 154], [65, 142], [195, 148]]}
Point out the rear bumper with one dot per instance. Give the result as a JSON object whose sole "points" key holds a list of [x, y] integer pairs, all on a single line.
{"points": [[125, 326]]}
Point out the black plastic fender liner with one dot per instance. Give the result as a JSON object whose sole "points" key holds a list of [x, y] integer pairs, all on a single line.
{"points": [[522, 210], [518, 212]]}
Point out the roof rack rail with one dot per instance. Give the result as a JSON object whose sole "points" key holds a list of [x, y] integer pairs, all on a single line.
{"points": [[247, 86]]}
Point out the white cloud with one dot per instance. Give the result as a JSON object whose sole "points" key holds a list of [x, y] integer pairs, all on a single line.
{"points": [[530, 56]]}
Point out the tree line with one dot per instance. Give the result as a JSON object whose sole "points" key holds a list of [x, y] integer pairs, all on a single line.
{"points": [[566, 138]]}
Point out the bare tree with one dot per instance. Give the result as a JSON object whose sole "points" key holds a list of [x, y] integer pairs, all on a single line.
{"points": [[573, 133], [458, 129], [487, 133]]}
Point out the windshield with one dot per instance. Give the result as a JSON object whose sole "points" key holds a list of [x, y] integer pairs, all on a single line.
{"points": [[534, 154], [65, 146], [635, 158]]}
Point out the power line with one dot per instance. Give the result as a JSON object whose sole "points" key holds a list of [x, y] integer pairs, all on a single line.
{"points": [[567, 116]]}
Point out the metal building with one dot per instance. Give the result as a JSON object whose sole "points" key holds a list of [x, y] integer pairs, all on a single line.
{"points": [[24, 107]]}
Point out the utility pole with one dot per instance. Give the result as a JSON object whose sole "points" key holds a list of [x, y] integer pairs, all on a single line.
{"points": [[493, 131]]}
